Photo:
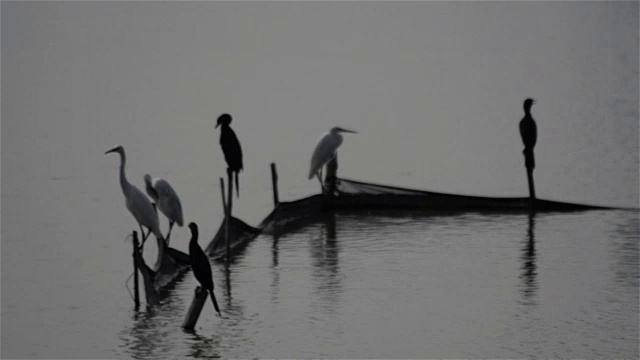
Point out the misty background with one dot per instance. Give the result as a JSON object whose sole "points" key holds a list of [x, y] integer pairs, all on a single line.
{"points": [[434, 89]]}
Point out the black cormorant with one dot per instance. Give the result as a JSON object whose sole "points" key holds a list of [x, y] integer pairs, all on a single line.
{"points": [[200, 265], [230, 147], [529, 134]]}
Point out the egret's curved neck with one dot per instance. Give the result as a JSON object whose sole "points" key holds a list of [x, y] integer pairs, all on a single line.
{"points": [[527, 110], [150, 190], [123, 178]]}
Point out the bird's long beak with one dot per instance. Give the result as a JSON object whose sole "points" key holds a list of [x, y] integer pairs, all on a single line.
{"points": [[348, 131], [112, 150], [218, 124]]}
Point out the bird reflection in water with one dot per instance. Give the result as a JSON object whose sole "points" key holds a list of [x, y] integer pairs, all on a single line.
{"points": [[234, 309], [202, 347], [325, 261], [149, 337], [529, 268]]}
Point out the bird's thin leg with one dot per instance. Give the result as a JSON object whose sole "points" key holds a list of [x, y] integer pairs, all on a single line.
{"points": [[144, 237], [169, 233]]}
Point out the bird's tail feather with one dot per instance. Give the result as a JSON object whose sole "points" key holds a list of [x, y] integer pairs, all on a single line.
{"points": [[215, 303]]}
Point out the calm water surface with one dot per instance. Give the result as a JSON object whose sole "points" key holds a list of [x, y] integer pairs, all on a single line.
{"points": [[410, 285], [434, 90]]}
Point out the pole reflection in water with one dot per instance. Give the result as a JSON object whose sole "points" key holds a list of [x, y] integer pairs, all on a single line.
{"points": [[234, 311], [626, 250], [274, 249], [227, 278], [148, 337], [529, 268], [275, 283], [325, 262], [202, 347]]}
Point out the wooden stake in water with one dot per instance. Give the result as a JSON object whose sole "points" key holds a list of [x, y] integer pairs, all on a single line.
{"points": [[136, 292], [532, 189], [529, 163], [224, 198], [330, 178], [274, 184], [199, 298], [229, 209]]}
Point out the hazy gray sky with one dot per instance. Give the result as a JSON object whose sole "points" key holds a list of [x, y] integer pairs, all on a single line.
{"points": [[430, 85]]}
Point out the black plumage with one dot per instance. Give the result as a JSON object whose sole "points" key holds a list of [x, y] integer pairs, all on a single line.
{"points": [[230, 147], [529, 134], [200, 265]]}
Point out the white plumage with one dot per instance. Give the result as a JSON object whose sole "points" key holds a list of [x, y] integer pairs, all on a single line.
{"points": [[167, 200], [326, 150], [139, 206]]}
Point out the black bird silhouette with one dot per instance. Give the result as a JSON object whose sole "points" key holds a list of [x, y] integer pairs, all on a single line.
{"points": [[200, 265], [529, 134], [230, 147]]}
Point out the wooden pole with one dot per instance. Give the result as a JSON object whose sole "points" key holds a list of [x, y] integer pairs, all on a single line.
{"points": [[330, 178], [530, 164], [136, 292], [274, 184], [229, 209], [199, 298], [224, 200], [532, 189]]}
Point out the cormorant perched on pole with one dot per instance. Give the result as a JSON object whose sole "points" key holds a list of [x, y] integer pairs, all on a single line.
{"points": [[230, 147], [529, 134], [200, 265]]}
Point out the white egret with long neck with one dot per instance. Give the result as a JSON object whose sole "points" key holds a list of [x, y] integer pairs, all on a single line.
{"points": [[167, 200], [325, 151], [140, 207]]}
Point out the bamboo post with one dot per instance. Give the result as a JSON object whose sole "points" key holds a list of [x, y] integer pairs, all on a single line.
{"points": [[147, 276], [529, 163], [224, 200], [532, 189], [228, 217], [136, 292], [330, 178], [199, 298], [274, 184]]}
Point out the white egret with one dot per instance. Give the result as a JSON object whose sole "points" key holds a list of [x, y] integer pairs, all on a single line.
{"points": [[325, 151], [140, 207], [529, 133], [230, 147], [167, 200], [200, 264]]}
